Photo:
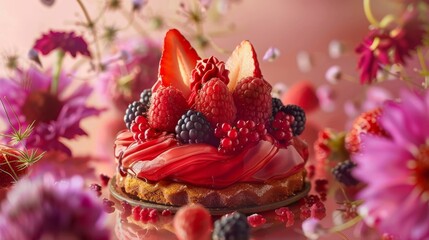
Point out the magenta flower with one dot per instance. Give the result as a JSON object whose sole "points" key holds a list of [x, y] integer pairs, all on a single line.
{"points": [[389, 46], [396, 198], [55, 117], [45, 209], [66, 41], [132, 68]]}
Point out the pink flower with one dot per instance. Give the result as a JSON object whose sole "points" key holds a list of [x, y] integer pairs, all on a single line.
{"points": [[55, 117], [396, 199], [132, 68], [389, 46], [44, 209], [66, 41]]}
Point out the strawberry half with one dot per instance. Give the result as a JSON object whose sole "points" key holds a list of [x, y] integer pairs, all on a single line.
{"points": [[177, 61], [242, 63]]}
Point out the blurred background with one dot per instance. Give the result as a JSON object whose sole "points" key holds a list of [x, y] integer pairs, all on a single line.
{"points": [[302, 31]]}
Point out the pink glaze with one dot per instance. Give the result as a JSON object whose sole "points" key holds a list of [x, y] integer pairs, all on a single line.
{"points": [[202, 164]]}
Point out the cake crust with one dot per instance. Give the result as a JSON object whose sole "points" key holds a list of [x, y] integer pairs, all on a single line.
{"points": [[238, 195]]}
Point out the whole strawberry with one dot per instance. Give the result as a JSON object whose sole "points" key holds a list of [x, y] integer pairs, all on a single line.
{"points": [[9, 166], [366, 123], [252, 97], [167, 106], [215, 102]]}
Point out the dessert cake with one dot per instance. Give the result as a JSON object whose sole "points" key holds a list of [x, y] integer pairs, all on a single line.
{"points": [[209, 132]]}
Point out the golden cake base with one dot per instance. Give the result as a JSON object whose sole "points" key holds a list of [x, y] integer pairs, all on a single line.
{"points": [[253, 202]]}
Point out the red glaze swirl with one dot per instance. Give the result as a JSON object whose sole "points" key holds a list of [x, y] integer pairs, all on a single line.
{"points": [[202, 165]]}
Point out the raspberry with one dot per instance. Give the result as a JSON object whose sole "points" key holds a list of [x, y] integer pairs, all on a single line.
{"points": [[108, 205], [281, 128], [145, 97], [235, 138], [366, 123], [256, 220], [141, 129], [252, 97], [304, 212], [318, 210], [298, 114], [167, 106], [231, 226], [104, 179], [96, 188], [149, 215], [192, 222], [135, 109], [277, 104], [166, 213], [136, 213], [194, 128], [215, 102], [321, 186], [126, 209], [343, 173], [285, 215]]}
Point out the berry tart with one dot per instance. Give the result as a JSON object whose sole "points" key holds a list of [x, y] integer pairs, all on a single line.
{"points": [[209, 132]]}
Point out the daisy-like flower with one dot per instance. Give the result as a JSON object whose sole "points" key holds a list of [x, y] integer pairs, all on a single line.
{"points": [[68, 42], [45, 209], [396, 169], [54, 117], [132, 68]]}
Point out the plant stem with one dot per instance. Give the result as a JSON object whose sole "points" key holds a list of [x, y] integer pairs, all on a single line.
{"points": [[345, 225], [57, 72], [368, 13], [91, 25]]}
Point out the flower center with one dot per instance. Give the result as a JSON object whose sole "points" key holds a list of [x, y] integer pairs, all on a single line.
{"points": [[421, 168], [41, 106]]}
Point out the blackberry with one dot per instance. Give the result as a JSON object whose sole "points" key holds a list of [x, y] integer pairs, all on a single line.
{"points": [[277, 104], [193, 127], [145, 97], [231, 227], [134, 109], [343, 173], [298, 125]]}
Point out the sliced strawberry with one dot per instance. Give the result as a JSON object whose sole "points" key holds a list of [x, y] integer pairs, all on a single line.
{"points": [[242, 63], [177, 61]]}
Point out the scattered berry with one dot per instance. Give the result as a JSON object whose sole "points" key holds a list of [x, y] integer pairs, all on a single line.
{"points": [[321, 186], [108, 205], [215, 102], [277, 104], [232, 226], [192, 222], [136, 213], [145, 97], [235, 138], [366, 123], [126, 209], [298, 125], [252, 97], [166, 108], [318, 210], [311, 171], [304, 212], [148, 215], [104, 179], [256, 220], [281, 129], [166, 212], [343, 173], [96, 188], [285, 215], [193, 128], [134, 109]]}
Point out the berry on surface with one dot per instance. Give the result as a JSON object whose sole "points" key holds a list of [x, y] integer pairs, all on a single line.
{"points": [[343, 173], [167, 106], [233, 226], [298, 125], [134, 110], [145, 97], [192, 222], [252, 98], [256, 220], [215, 102], [193, 127]]}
